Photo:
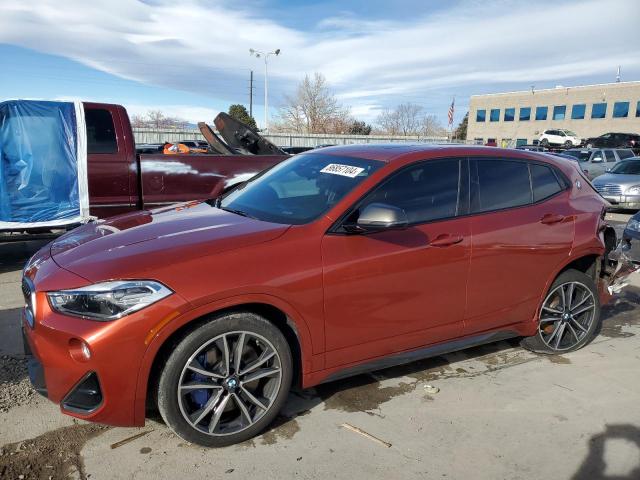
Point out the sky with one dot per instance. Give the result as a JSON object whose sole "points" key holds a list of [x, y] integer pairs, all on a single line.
{"points": [[191, 58]]}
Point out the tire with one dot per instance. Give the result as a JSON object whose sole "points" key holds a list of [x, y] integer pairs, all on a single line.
{"points": [[575, 329], [568, 144], [228, 385], [544, 142]]}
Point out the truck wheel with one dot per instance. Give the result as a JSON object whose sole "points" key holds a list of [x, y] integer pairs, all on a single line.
{"points": [[569, 316], [226, 380]]}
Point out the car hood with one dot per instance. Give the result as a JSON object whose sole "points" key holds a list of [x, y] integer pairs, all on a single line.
{"points": [[129, 245], [617, 179]]}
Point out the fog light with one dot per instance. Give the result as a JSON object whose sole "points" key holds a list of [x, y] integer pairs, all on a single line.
{"points": [[79, 350]]}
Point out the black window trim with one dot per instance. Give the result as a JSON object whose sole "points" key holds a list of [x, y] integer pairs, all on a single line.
{"points": [[464, 189], [462, 203]]}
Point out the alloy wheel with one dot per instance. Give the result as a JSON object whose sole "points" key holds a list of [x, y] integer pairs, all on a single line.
{"points": [[229, 383], [566, 316]]}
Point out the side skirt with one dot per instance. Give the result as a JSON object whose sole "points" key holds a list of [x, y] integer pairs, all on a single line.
{"points": [[422, 353]]}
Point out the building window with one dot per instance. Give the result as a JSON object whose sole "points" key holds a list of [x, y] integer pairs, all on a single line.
{"points": [[577, 111], [509, 114], [559, 112], [638, 109], [525, 114], [495, 115], [521, 141], [621, 110], [541, 113], [481, 115], [599, 110], [478, 140]]}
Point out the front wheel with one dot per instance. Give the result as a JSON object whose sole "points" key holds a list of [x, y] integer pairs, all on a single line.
{"points": [[544, 142], [226, 380], [568, 144], [569, 317]]}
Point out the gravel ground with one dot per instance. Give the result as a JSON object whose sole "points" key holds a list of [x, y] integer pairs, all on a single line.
{"points": [[15, 388]]}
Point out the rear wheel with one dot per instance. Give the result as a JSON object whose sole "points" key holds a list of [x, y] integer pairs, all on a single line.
{"points": [[226, 380], [569, 316]]}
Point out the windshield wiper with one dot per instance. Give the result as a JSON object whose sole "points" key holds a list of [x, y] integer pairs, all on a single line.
{"points": [[237, 212]]}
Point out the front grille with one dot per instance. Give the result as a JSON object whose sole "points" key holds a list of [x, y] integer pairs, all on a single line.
{"points": [[28, 291], [609, 189]]}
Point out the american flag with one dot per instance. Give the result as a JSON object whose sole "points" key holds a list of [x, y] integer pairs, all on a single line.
{"points": [[452, 109]]}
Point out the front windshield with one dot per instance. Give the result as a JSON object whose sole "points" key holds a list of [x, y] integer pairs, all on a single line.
{"points": [[570, 133], [582, 156], [628, 167], [300, 189]]}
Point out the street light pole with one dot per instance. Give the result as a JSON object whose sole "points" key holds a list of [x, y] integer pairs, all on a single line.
{"points": [[265, 56]]}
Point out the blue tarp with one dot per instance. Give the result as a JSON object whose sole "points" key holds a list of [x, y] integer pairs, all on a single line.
{"points": [[40, 171]]}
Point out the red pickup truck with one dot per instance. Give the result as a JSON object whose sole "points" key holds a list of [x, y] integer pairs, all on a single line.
{"points": [[122, 181]]}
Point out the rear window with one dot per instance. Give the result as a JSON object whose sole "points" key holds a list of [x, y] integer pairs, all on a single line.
{"points": [[544, 182], [101, 135], [625, 154], [500, 184]]}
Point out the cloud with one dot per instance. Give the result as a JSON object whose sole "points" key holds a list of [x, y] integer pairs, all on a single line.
{"points": [[203, 47]]}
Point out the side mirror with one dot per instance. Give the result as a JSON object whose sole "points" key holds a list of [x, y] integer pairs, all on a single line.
{"points": [[377, 217]]}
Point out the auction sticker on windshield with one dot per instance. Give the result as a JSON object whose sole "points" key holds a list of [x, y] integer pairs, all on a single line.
{"points": [[344, 170]]}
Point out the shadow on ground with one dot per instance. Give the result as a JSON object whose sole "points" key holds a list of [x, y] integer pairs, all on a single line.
{"points": [[594, 466]]}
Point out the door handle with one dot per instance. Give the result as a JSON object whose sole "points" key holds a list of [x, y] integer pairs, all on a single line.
{"points": [[445, 240], [551, 218]]}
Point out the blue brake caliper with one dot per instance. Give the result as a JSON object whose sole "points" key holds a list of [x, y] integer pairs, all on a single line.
{"points": [[200, 397]]}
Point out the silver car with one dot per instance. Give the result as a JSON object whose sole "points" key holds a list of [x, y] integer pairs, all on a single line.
{"points": [[596, 161], [621, 184]]}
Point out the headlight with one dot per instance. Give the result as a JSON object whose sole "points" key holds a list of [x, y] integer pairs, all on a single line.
{"points": [[109, 300], [635, 190], [633, 224]]}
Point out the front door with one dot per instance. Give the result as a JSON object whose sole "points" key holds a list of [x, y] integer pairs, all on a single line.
{"points": [[396, 290]]}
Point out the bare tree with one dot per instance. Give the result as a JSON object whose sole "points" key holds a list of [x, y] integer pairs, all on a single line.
{"points": [[313, 109], [431, 126], [405, 119], [157, 119]]}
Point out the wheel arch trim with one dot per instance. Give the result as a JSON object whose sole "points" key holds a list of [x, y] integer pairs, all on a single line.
{"points": [[293, 318]]}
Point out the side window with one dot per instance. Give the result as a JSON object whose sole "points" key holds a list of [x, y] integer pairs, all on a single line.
{"points": [[625, 154], [544, 182], [499, 184], [610, 156], [597, 157], [427, 191], [101, 134]]}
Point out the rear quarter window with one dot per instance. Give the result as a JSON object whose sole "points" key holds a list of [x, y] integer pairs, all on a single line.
{"points": [[625, 154], [544, 182]]}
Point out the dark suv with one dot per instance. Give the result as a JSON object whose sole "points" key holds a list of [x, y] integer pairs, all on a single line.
{"points": [[614, 140]]}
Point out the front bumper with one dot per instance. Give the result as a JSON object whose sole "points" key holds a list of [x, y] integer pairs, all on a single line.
{"points": [[623, 201], [101, 388]]}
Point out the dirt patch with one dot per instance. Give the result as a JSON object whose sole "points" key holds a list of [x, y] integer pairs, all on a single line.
{"points": [[282, 428], [145, 450], [558, 359], [15, 388], [55, 454]]}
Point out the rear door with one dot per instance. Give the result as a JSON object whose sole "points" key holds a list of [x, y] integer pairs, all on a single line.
{"points": [[520, 236], [107, 161]]}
